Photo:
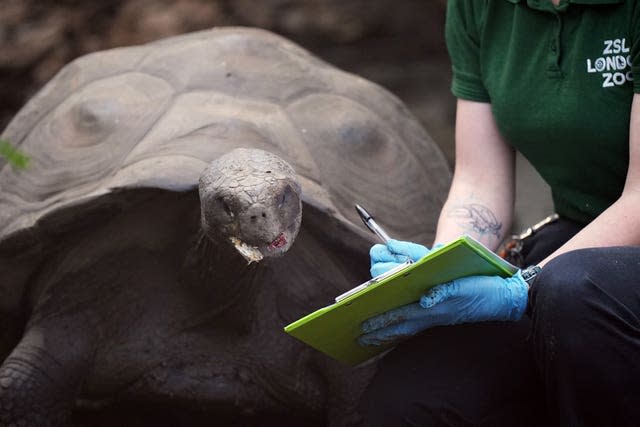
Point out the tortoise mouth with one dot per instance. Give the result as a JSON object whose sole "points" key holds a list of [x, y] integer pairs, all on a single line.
{"points": [[278, 242], [257, 253]]}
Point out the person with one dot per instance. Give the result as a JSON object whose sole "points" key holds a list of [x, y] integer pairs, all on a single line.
{"points": [[559, 342]]}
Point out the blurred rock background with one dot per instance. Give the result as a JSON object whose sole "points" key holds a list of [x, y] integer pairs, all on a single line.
{"points": [[397, 43]]}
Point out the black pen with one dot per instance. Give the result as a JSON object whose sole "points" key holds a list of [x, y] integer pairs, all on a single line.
{"points": [[375, 228], [371, 224]]}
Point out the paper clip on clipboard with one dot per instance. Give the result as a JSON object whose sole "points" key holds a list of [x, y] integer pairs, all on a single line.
{"points": [[376, 279]]}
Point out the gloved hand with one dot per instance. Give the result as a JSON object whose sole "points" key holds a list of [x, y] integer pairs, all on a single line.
{"points": [[386, 257], [468, 299]]}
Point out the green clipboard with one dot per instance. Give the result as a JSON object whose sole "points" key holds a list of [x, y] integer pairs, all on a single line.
{"points": [[334, 329]]}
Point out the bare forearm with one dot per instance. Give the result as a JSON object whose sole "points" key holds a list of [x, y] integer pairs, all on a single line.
{"points": [[617, 226], [486, 216], [480, 201]]}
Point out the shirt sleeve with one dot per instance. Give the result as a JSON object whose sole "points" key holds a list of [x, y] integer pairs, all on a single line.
{"points": [[463, 44], [635, 47]]}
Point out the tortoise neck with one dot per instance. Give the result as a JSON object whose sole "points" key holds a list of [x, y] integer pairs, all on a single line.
{"points": [[220, 277]]}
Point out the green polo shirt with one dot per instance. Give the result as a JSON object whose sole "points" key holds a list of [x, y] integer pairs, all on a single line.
{"points": [[560, 83]]}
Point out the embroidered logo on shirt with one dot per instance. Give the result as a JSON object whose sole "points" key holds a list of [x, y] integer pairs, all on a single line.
{"points": [[614, 64]]}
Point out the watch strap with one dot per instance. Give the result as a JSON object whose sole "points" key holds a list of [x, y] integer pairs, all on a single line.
{"points": [[529, 274]]}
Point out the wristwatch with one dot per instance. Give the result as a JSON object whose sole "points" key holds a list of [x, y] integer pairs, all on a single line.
{"points": [[529, 274]]}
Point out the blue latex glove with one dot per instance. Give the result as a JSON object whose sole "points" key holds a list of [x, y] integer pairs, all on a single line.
{"points": [[469, 299], [386, 257]]}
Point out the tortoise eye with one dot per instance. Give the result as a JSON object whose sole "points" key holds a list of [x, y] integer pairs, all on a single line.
{"points": [[285, 196], [225, 206]]}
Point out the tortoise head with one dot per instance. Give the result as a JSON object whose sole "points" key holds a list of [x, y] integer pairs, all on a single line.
{"points": [[252, 199]]}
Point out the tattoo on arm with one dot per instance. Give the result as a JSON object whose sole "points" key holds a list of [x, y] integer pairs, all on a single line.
{"points": [[477, 218]]}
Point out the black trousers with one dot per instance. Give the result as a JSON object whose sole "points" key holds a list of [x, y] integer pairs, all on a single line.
{"points": [[573, 360]]}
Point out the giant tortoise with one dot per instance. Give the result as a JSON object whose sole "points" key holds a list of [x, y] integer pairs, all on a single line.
{"points": [[142, 252]]}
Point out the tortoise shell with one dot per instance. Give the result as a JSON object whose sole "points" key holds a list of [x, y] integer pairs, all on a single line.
{"points": [[156, 115]]}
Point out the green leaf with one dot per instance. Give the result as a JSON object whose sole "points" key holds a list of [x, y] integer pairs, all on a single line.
{"points": [[15, 157]]}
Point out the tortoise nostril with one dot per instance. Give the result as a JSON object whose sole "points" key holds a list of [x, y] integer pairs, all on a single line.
{"points": [[255, 217]]}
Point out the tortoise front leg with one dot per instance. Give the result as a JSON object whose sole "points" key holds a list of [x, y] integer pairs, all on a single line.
{"points": [[39, 380]]}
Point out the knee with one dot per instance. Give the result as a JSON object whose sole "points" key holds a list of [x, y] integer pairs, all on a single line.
{"points": [[562, 286], [566, 298]]}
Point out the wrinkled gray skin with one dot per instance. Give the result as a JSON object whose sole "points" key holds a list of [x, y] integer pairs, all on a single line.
{"points": [[252, 199], [123, 296]]}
